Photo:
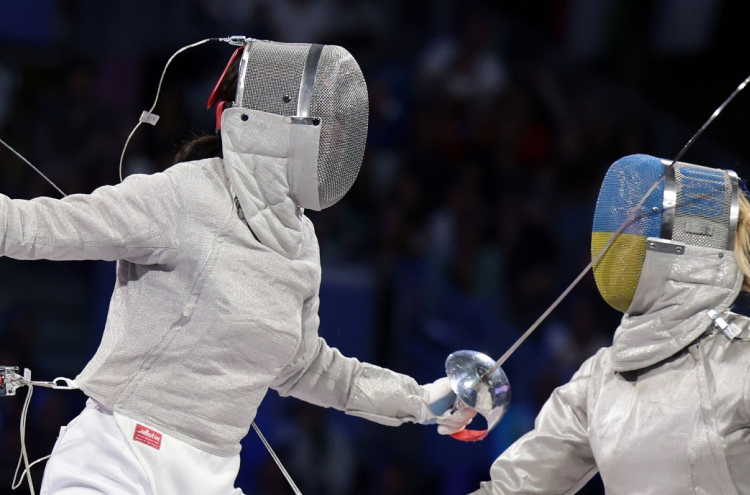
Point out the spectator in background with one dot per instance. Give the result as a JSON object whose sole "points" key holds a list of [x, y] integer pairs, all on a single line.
{"points": [[8, 83], [303, 21], [465, 68], [322, 459], [75, 164]]}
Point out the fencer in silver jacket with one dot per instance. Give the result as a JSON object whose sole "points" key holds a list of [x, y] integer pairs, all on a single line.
{"points": [[666, 409], [211, 307]]}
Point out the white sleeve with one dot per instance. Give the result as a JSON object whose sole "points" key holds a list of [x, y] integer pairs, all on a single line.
{"points": [[321, 375], [139, 220], [554, 458]]}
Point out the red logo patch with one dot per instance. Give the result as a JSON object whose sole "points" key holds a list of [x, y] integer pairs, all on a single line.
{"points": [[148, 436]]}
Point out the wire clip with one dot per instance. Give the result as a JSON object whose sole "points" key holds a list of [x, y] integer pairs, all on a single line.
{"points": [[234, 40], [730, 330], [10, 381], [149, 118]]}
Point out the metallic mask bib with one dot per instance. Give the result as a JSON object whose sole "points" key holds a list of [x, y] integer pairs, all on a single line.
{"points": [[312, 85], [694, 205]]}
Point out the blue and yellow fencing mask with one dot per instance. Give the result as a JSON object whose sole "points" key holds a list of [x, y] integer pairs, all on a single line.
{"points": [[692, 204]]}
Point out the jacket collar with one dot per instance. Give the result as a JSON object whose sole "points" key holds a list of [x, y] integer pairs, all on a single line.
{"points": [[669, 308], [256, 158]]}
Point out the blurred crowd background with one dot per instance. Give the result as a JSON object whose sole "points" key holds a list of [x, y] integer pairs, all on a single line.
{"points": [[491, 127]]}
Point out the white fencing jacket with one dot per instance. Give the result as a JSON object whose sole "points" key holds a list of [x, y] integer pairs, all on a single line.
{"points": [[206, 314], [665, 410]]}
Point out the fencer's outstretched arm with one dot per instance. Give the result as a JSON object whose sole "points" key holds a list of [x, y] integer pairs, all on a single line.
{"points": [[139, 220], [556, 457], [321, 375]]}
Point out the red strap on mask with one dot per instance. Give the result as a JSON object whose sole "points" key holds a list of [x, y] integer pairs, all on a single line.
{"points": [[215, 93], [219, 111]]}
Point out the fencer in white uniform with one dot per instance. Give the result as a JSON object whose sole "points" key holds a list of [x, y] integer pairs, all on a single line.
{"points": [[666, 409], [217, 292]]}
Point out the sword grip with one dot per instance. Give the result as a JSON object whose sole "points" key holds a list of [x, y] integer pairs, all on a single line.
{"points": [[470, 435]]}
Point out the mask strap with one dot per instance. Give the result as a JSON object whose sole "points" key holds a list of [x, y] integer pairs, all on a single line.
{"points": [[215, 93], [219, 111]]}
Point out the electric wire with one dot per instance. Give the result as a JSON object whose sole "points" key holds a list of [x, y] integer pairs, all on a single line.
{"points": [[276, 459], [158, 91], [19, 381], [24, 455], [619, 230]]}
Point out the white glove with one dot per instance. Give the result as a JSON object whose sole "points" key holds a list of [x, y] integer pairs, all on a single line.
{"points": [[441, 398]]}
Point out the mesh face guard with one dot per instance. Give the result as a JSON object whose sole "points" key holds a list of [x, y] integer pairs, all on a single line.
{"points": [[693, 205], [315, 85]]}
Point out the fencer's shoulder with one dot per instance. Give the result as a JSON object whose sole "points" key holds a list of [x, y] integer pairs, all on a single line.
{"points": [[598, 364], [208, 167], [200, 177]]}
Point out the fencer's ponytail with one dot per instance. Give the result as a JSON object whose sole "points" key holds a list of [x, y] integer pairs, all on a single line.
{"points": [[742, 241], [200, 147], [209, 146]]}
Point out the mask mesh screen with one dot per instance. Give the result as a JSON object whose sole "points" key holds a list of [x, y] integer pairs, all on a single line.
{"points": [[273, 71], [340, 100], [703, 203], [618, 272]]}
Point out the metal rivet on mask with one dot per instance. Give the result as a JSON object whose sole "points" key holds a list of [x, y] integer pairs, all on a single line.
{"points": [[721, 255], [678, 249], [286, 98], [316, 121], [244, 117]]}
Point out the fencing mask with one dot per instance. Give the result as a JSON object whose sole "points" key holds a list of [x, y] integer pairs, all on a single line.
{"points": [[693, 205], [322, 93]]}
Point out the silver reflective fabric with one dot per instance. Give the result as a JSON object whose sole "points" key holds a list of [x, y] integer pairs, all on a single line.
{"points": [[272, 79], [204, 318], [664, 411], [384, 397], [669, 308], [256, 158]]}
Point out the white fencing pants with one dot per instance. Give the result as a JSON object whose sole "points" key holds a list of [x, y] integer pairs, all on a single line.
{"points": [[97, 453]]}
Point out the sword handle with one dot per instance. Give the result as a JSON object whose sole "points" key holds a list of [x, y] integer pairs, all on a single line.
{"points": [[467, 435], [470, 435]]}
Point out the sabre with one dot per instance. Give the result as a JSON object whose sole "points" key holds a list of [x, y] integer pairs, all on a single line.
{"points": [[478, 381]]}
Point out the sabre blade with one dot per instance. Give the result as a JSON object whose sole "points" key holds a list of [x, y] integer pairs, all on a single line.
{"points": [[19, 155]]}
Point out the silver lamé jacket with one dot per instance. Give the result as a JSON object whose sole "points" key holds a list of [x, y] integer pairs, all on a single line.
{"points": [[206, 314], [665, 410]]}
